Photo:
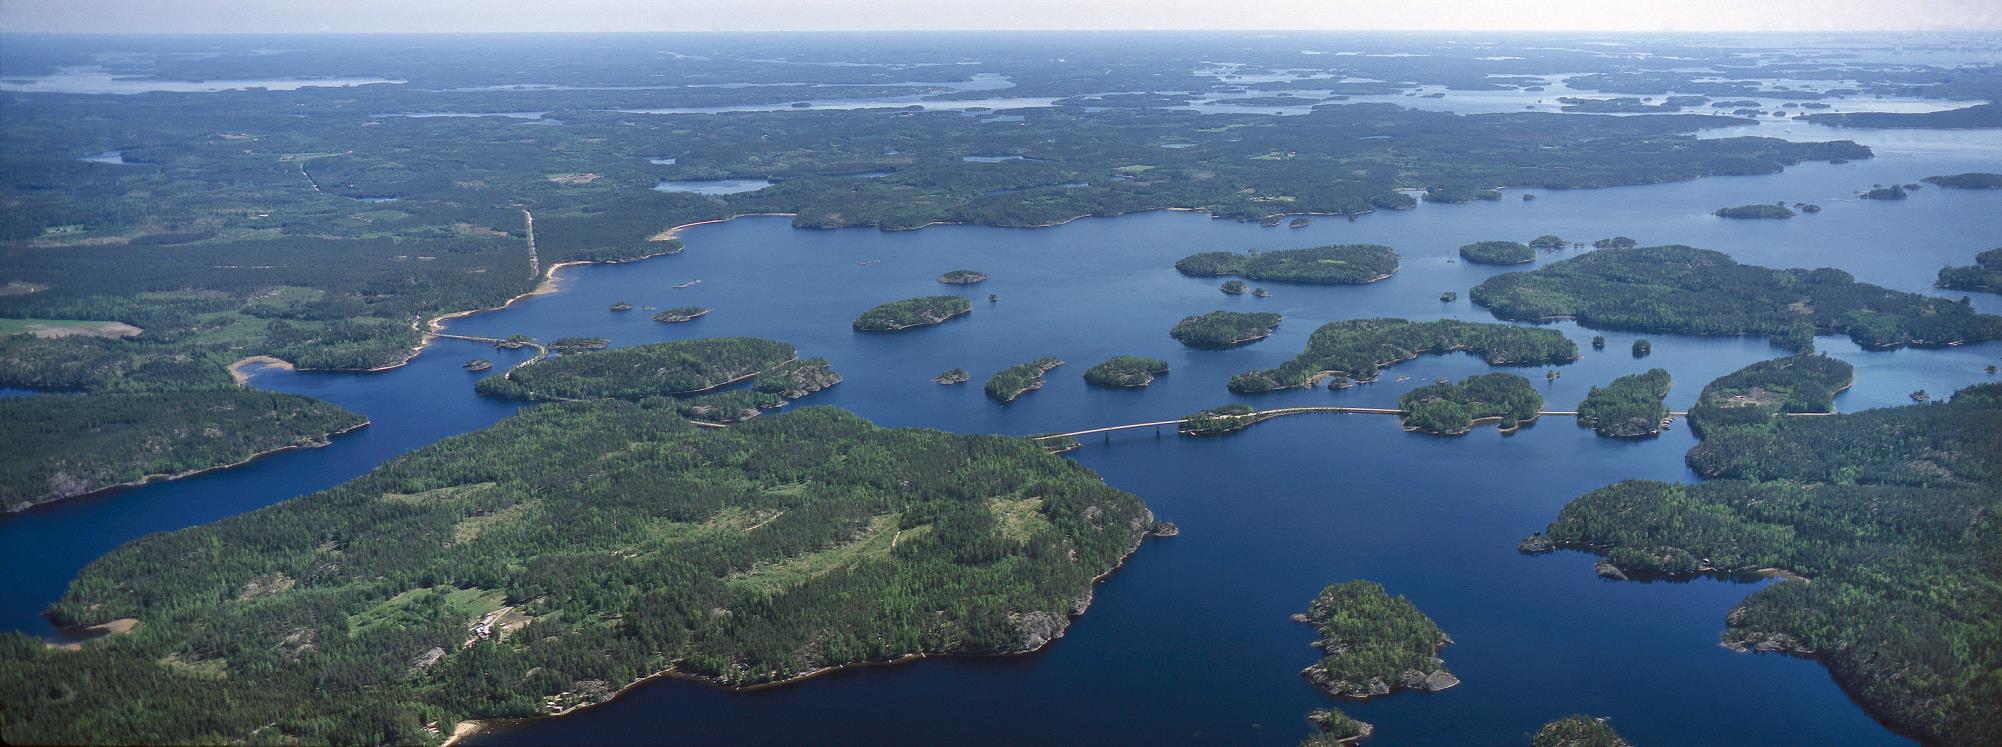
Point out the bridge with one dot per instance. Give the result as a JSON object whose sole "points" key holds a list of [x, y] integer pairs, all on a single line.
{"points": [[1259, 416]]}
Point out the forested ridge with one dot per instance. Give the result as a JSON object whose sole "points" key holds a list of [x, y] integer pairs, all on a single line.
{"points": [[1892, 515], [1357, 349], [659, 369], [614, 539], [64, 446], [1696, 291], [1340, 263]]}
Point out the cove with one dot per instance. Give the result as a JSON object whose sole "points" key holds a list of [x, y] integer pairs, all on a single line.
{"points": [[1191, 642]]}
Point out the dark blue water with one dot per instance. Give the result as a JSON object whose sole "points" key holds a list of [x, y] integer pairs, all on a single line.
{"points": [[1191, 642]]}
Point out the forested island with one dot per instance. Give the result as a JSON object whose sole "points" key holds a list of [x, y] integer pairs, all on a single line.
{"points": [[1224, 329], [1014, 381], [1765, 211], [579, 344], [954, 376], [681, 314], [1335, 264], [667, 368], [1969, 180], [1357, 349], [1217, 421], [912, 312], [605, 542], [1125, 371], [1577, 731], [962, 277], [1893, 192], [1889, 512], [1497, 253], [1373, 643], [1984, 275], [1697, 291], [65, 446], [1454, 409], [1629, 407]]}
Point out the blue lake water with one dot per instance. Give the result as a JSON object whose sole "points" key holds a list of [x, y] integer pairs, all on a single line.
{"points": [[1191, 642], [712, 186]]}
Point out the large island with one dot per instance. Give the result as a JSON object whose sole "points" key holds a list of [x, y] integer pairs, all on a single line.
{"points": [[1357, 349], [1337, 264], [912, 312]]}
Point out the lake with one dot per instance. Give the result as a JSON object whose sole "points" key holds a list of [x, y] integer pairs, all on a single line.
{"points": [[1191, 641]]}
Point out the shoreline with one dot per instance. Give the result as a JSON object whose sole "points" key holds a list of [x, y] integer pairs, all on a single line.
{"points": [[469, 727], [321, 442]]}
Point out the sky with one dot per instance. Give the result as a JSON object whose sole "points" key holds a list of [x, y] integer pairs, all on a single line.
{"points": [[392, 16]]}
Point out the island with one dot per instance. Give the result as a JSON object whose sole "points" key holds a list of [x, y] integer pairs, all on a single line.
{"points": [[1358, 349], [1224, 329], [1335, 264], [1875, 520], [1577, 731], [954, 376], [478, 364], [1373, 643], [622, 306], [1449, 296], [531, 556], [1498, 253], [1125, 371], [1217, 421], [681, 314], [61, 446], [912, 312], [1012, 382], [660, 369], [1969, 180], [1642, 348], [1893, 192], [1333, 728], [1680, 289], [1454, 409], [1549, 242], [1234, 287], [579, 344], [1984, 275], [962, 277], [1619, 242], [1630, 407], [1769, 212]]}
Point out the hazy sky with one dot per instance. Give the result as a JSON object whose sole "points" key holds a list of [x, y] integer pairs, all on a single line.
{"points": [[195, 16]]}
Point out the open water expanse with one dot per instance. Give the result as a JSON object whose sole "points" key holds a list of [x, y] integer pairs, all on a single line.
{"points": [[1191, 642]]}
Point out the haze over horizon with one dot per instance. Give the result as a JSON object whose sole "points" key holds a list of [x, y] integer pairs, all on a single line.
{"points": [[468, 16]]}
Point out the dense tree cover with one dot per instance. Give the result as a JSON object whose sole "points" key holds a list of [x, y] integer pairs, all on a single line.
{"points": [[1984, 275], [1454, 409], [1014, 381], [1969, 180], [1630, 406], [58, 447], [1756, 396], [1223, 329], [1697, 291], [1767, 211], [1359, 348], [954, 376], [1373, 643], [1332, 727], [725, 407], [681, 314], [1577, 731], [1218, 420], [681, 367], [1642, 348], [1234, 287], [1498, 253], [1966, 118], [962, 277], [797, 378], [1892, 513], [579, 344], [1126, 370], [1549, 241], [1616, 242], [1893, 192], [912, 312], [619, 540], [1339, 263]]}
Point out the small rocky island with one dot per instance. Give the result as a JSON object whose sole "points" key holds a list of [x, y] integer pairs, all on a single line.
{"points": [[1234, 287], [1224, 329], [1498, 253], [622, 306], [479, 364], [681, 314], [962, 277], [1126, 371], [1454, 409], [1893, 192], [1014, 381], [1578, 731], [954, 376], [1774, 211], [1373, 643], [912, 312]]}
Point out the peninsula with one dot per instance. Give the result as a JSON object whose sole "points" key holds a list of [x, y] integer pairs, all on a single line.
{"points": [[1358, 349], [667, 368]]}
